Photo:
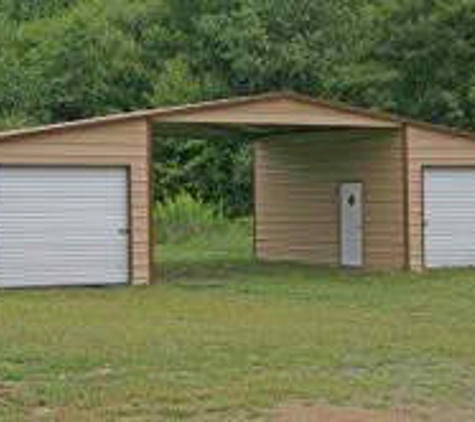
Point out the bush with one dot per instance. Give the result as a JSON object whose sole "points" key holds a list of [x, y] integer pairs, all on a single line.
{"points": [[218, 171], [184, 216]]}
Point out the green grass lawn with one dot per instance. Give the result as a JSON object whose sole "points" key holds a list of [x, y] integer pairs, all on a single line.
{"points": [[224, 338]]}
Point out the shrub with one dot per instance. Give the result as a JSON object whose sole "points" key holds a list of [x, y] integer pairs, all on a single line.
{"points": [[184, 216]]}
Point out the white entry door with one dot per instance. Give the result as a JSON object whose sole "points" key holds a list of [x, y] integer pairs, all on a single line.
{"points": [[351, 224], [63, 226], [449, 217]]}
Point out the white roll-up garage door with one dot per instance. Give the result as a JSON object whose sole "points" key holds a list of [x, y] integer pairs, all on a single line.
{"points": [[449, 217], [63, 226]]}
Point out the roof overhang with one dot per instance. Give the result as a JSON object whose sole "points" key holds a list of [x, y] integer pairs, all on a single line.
{"points": [[258, 115]]}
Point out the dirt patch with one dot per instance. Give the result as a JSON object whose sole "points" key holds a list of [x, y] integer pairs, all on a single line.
{"points": [[316, 413], [320, 413], [6, 392]]}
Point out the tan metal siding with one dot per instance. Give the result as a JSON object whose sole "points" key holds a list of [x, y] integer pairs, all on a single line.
{"points": [[121, 143], [297, 203], [277, 111], [430, 148]]}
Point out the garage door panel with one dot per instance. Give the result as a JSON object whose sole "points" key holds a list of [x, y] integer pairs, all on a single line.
{"points": [[63, 226], [449, 217]]}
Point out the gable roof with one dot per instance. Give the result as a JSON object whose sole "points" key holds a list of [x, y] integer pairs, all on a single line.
{"points": [[279, 109]]}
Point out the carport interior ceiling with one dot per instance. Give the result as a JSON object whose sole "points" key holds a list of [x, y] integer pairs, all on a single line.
{"points": [[251, 132]]}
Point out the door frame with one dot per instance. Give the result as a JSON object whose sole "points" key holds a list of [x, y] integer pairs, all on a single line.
{"points": [[340, 223], [128, 207]]}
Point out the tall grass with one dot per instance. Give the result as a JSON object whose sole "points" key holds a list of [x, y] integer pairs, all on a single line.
{"points": [[184, 217], [193, 231]]}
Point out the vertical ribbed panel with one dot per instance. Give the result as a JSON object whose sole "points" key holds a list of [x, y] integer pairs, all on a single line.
{"points": [[449, 217], [297, 205], [63, 226]]}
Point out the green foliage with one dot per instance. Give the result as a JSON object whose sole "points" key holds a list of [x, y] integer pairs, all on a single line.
{"points": [[218, 171], [9, 121], [183, 217], [424, 55], [259, 45], [177, 84], [27, 10], [103, 75]]}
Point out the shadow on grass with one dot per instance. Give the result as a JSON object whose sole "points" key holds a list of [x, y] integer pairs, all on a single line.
{"points": [[214, 270], [215, 273], [219, 272]]}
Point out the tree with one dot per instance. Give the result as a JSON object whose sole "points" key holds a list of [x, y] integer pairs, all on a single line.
{"points": [[258, 45], [22, 11], [72, 67], [428, 49]]}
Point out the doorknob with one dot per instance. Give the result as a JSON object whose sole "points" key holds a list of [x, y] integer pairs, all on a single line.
{"points": [[124, 232]]}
